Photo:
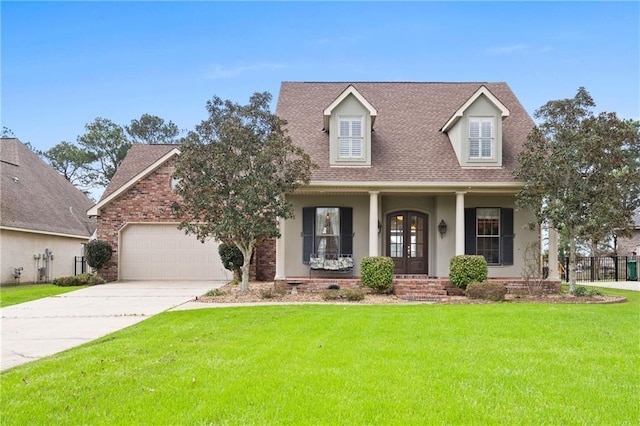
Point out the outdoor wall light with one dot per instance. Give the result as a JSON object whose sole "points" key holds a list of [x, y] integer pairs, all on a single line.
{"points": [[175, 208], [442, 228]]}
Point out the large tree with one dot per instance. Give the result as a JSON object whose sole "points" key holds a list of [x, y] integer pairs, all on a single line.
{"points": [[234, 172], [108, 144], [72, 162], [577, 172], [153, 129]]}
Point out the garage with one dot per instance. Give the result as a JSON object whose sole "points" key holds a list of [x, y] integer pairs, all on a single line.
{"points": [[163, 252]]}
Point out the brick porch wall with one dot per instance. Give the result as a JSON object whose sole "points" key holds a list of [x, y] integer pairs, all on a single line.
{"points": [[411, 289]]}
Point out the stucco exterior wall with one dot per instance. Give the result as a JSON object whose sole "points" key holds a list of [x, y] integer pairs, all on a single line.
{"points": [[294, 266], [18, 248], [626, 246], [436, 207]]}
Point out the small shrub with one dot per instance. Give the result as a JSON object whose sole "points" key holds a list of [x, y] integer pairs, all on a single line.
{"points": [[231, 256], [271, 293], [215, 292], [98, 253], [486, 291], [581, 291], [78, 280], [330, 295], [466, 269], [377, 273], [352, 294]]}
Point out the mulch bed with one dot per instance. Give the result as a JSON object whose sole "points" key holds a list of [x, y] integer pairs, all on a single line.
{"points": [[263, 292]]}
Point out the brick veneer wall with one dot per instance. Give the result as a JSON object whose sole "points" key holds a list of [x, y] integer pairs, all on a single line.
{"points": [[149, 201]]}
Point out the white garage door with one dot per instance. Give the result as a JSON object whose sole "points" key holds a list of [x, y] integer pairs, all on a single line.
{"points": [[162, 252]]}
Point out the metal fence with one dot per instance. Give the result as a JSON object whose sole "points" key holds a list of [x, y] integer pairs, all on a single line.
{"points": [[613, 268], [80, 265]]}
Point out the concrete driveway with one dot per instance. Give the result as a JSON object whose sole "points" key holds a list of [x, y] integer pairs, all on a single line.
{"points": [[47, 326]]}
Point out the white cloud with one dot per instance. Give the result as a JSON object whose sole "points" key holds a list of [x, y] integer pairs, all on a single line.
{"points": [[506, 50], [221, 71]]}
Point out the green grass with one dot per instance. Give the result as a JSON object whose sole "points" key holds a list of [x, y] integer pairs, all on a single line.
{"points": [[26, 293], [334, 364]]}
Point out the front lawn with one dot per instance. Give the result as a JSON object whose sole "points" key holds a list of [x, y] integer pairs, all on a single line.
{"points": [[333, 364], [28, 292]]}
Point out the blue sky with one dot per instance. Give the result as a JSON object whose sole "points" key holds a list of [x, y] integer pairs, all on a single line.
{"points": [[66, 63]]}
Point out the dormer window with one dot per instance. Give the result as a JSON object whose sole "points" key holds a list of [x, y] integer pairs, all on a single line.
{"points": [[481, 138], [349, 122], [475, 130], [351, 137]]}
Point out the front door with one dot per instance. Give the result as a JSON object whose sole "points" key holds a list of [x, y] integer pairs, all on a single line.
{"points": [[407, 242]]}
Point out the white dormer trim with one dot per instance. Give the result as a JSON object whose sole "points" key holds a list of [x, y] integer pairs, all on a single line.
{"points": [[460, 112], [349, 91], [95, 210]]}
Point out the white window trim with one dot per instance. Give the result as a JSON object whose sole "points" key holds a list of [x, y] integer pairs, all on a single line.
{"points": [[351, 138], [492, 139]]}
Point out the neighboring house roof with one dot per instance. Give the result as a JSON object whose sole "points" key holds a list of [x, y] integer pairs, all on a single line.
{"points": [[407, 144], [34, 197], [636, 219], [141, 159]]}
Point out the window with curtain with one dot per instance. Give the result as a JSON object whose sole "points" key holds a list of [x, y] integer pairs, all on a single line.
{"points": [[327, 231], [351, 138], [481, 137], [327, 241]]}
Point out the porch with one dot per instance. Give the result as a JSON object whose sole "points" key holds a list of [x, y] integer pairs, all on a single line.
{"points": [[405, 287]]}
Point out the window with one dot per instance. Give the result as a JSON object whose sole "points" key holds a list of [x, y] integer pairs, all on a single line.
{"points": [[481, 137], [327, 231], [351, 138], [327, 239], [489, 233]]}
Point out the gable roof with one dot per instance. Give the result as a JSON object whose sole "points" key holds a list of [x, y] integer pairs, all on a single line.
{"points": [[140, 161], [349, 91], [504, 111], [36, 198], [407, 146]]}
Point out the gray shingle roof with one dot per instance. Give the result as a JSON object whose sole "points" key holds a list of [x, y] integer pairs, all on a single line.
{"points": [[138, 158], [407, 144], [34, 196]]}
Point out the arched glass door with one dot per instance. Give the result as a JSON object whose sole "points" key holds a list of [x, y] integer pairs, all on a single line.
{"points": [[407, 242]]}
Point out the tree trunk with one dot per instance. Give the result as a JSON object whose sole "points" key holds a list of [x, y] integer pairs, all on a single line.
{"points": [[247, 251], [572, 263]]}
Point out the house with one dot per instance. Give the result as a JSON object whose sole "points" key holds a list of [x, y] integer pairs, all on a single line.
{"points": [[136, 215], [43, 222], [419, 172], [630, 245]]}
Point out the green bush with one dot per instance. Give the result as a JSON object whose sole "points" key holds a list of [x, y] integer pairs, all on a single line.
{"points": [[377, 273], [98, 253], [331, 294], [581, 291], [466, 269], [486, 291], [77, 280], [350, 294], [231, 256]]}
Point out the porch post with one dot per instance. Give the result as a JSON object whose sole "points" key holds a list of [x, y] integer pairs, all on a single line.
{"points": [[460, 223], [554, 274], [280, 252], [373, 223]]}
